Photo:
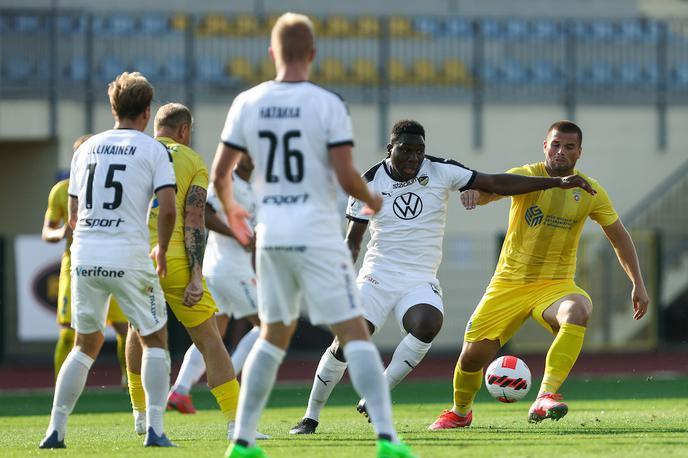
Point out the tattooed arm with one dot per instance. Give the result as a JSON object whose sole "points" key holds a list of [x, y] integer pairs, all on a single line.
{"points": [[194, 242]]}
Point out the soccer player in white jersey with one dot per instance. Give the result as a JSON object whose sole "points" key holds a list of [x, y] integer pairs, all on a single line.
{"points": [[228, 271], [397, 276], [300, 138], [113, 177]]}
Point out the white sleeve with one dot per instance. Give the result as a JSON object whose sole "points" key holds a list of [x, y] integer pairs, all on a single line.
{"points": [[353, 211], [339, 128], [213, 200], [459, 176], [232, 133], [163, 169], [73, 188]]}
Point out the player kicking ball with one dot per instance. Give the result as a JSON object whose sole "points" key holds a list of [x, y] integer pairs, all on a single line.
{"points": [[535, 278], [398, 276]]}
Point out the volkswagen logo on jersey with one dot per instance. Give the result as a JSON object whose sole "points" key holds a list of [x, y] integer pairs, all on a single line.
{"points": [[534, 216], [408, 206]]}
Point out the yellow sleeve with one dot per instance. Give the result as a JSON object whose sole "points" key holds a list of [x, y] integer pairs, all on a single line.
{"points": [[54, 211], [603, 212], [200, 178]]}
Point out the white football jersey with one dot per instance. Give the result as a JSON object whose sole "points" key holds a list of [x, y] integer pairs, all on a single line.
{"points": [[114, 174], [406, 235], [224, 255], [287, 128]]}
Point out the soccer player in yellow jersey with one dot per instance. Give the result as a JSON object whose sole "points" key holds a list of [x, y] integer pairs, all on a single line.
{"points": [[535, 277], [55, 229], [184, 287]]}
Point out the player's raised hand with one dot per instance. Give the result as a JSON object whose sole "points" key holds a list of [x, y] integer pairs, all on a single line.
{"points": [[373, 206], [237, 216], [576, 181], [159, 255], [193, 292], [641, 300], [469, 199]]}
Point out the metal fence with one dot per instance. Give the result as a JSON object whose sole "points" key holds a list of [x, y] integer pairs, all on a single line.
{"points": [[380, 60]]}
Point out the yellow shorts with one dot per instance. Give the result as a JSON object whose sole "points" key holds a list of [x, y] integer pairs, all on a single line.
{"points": [[174, 284], [505, 307], [64, 299]]}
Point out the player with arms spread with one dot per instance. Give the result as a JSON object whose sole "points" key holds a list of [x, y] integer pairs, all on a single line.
{"points": [[402, 278], [299, 136], [535, 278], [55, 229], [113, 176], [228, 270]]}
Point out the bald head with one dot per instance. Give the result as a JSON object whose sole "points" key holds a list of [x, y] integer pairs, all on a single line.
{"points": [[293, 39]]}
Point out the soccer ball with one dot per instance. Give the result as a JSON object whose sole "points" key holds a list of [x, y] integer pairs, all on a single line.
{"points": [[508, 379]]}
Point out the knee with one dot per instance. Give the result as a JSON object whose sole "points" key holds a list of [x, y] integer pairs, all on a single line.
{"points": [[426, 329], [574, 313], [337, 351]]}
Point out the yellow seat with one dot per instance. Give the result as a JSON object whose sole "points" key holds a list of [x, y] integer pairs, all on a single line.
{"points": [[266, 70], [179, 22], [367, 26], [455, 72], [423, 72], [241, 67], [331, 71], [400, 27], [337, 26], [214, 24], [397, 73], [363, 71], [246, 25]]}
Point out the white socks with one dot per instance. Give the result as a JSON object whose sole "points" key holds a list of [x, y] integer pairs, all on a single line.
{"points": [[155, 377], [365, 370], [193, 366], [69, 386], [190, 372], [243, 347], [330, 371], [407, 355], [262, 364]]}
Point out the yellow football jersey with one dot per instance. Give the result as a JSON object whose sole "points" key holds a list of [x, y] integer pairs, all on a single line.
{"points": [[190, 169], [58, 202], [545, 227]]}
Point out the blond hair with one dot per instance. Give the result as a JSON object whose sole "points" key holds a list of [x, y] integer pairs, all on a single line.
{"points": [[79, 141], [130, 94], [292, 38], [172, 115]]}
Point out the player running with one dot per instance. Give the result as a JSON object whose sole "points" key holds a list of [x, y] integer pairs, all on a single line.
{"points": [[228, 270], [55, 229], [184, 287], [300, 138], [398, 277], [113, 176], [535, 278]]}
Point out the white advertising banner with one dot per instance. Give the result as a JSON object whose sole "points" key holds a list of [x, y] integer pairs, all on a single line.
{"points": [[37, 266]]}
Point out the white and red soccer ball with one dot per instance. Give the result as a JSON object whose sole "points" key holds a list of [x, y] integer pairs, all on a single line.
{"points": [[508, 379]]}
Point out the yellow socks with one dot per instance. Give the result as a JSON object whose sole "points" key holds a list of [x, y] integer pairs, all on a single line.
{"points": [[136, 393], [227, 397], [466, 386], [121, 345], [65, 343], [562, 356]]}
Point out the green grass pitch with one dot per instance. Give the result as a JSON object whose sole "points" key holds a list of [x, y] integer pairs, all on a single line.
{"points": [[628, 417]]}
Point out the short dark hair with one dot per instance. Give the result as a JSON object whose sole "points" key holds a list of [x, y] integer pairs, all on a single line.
{"points": [[406, 126], [567, 127]]}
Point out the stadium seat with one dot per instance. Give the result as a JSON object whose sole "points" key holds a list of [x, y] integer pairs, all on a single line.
{"points": [[269, 23], [109, 67], [154, 24], [211, 70], [423, 72], [397, 72], [516, 29], [28, 24], [148, 68], [4, 24], [400, 27], [544, 72], [595, 30], [546, 29], [331, 70], [454, 72], [598, 73], [173, 70], [428, 26], [266, 70], [115, 24], [71, 25], [213, 25], [631, 74], [241, 69], [364, 71], [337, 26], [76, 70], [491, 28], [17, 68], [246, 25], [514, 72], [491, 73], [679, 75], [179, 22], [367, 27], [458, 27]]}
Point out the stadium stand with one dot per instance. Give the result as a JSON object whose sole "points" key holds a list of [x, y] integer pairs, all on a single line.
{"points": [[363, 71]]}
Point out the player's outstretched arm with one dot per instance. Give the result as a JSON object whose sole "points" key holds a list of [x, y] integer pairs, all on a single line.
{"points": [[350, 180], [473, 197], [167, 213], [628, 258], [508, 184], [354, 236], [194, 242], [224, 162]]}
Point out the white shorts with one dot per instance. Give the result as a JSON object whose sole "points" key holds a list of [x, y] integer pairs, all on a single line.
{"points": [[381, 295], [234, 295], [137, 291], [324, 277]]}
